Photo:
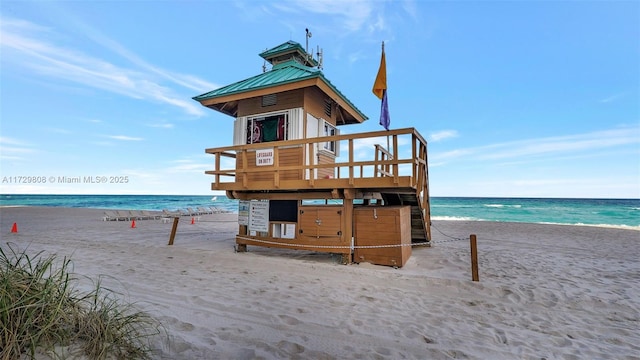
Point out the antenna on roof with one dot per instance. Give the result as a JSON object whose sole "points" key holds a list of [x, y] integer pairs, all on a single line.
{"points": [[264, 63], [307, 36], [319, 53]]}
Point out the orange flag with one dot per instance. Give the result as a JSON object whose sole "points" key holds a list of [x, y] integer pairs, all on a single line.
{"points": [[381, 79], [380, 90]]}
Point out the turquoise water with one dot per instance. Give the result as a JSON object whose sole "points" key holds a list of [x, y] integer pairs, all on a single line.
{"points": [[603, 212], [126, 202]]}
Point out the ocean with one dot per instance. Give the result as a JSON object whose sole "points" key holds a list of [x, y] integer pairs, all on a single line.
{"points": [[600, 212]]}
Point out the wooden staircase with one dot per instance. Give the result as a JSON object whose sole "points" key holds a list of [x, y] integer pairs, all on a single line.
{"points": [[418, 198], [419, 231]]}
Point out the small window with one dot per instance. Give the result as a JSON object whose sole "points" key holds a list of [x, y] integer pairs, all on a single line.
{"points": [[267, 128], [329, 130], [269, 100]]}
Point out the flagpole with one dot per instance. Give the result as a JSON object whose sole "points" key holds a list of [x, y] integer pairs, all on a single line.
{"points": [[380, 91], [388, 149]]}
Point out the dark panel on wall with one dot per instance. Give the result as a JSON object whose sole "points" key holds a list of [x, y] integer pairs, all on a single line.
{"points": [[283, 210]]}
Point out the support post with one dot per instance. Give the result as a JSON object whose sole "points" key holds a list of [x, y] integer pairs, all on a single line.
{"points": [[242, 230], [474, 258], [174, 228], [347, 223]]}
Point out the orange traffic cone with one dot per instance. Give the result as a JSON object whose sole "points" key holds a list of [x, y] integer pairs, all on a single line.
{"points": [[14, 228], [193, 221], [133, 224]]}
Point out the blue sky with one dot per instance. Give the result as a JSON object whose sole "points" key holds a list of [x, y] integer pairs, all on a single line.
{"points": [[516, 99]]}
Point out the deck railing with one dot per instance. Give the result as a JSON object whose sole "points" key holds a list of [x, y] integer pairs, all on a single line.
{"points": [[378, 159]]}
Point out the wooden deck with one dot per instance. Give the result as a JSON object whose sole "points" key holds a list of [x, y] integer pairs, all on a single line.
{"points": [[365, 163]]}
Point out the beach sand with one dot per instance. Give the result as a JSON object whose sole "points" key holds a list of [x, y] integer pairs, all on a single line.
{"points": [[545, 291]]}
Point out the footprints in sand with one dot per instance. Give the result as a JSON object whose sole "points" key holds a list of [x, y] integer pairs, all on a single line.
{"points": [[289, 320], [226, 334], [177, 323], [186, 326], [415, 334], [368, 298], [290, 347], [500, 337]]}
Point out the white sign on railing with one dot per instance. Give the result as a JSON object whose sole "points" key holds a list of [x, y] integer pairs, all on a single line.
{"points": [[264, 157]]}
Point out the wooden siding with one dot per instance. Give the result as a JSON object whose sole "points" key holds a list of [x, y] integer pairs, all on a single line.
{"points": [[325, 173], [314, 104], [286, 157], [383, 226], [285, 100]]}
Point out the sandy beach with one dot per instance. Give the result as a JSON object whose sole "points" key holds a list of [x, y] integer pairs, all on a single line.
{"points": [[545, 291]]}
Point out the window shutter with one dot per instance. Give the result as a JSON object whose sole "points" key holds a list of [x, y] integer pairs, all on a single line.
{"points": [[295, 130], [240, 131]]}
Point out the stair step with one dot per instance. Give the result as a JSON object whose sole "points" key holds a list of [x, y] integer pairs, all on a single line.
{"points": [[418, 229], [418, 234]]}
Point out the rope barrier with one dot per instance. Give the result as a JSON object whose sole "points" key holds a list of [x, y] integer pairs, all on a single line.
{"points": [[200, 229], [452, 238], [332, 246]]}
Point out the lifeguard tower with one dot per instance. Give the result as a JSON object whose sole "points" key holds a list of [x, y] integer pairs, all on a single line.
{"points": [[303, 185]]}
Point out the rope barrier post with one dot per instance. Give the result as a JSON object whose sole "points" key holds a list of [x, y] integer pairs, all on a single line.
{"points": [[173, 230], [474, 258]]}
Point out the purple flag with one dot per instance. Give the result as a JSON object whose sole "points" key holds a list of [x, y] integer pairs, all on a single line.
{"points": [[385, 120], [380, 90]]}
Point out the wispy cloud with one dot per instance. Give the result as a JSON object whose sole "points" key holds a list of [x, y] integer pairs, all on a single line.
{"points": [[11, 141], [368, 20], [366, 17], [355, 57], [190, 166], [187, 81], [35, 47], [442, 135], [611, 98], [13, 149], [369, 143], [549, 146], [124, 138], [411, 8], [161, 125], [351, 15]]}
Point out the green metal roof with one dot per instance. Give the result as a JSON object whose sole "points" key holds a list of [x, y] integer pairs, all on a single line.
{"points": [[289, 46], [283, 73], [287, 50], [280, 74]]}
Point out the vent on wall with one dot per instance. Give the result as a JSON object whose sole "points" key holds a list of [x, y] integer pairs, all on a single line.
{"points": [[327, 107], [269, 100]]}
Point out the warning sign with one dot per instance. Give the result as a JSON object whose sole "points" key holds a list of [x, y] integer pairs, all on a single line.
{"points": [[259, 216], [264, 157]]}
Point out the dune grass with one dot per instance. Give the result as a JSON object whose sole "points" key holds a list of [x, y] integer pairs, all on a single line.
{"points": [[41, 311]]}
